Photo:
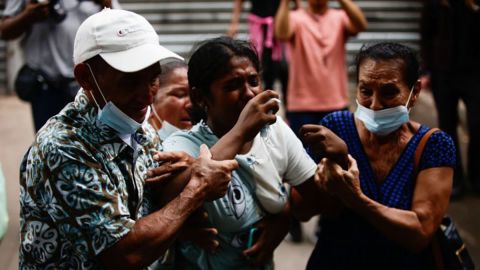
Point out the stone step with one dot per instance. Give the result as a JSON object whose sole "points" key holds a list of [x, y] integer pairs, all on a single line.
{"points": [[181, 24]]}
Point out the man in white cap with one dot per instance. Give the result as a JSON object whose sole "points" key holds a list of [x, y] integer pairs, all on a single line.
{"points": [[82, 181]]}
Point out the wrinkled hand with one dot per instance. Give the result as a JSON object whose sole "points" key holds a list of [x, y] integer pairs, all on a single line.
{"points": [[37, 11], [211, 176], [258, 112], [324, 143], [273, 229], [343, 183], [203, 237], [171, 163]]}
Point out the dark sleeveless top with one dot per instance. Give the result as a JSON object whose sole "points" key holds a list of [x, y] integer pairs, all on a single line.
{"points": [[349, 241], [264, 8]]}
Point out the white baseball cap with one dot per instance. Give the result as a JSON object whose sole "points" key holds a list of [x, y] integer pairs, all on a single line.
{"points": [[125, 40]]}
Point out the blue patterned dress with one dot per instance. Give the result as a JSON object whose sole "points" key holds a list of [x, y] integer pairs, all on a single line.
{"points": [[349, 241]]}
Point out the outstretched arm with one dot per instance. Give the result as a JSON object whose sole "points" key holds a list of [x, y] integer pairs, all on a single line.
{"points": [[312, 198], [283, 30], [152, 235], [253, 117], [237, 10], [14, 26], [358, 22]]}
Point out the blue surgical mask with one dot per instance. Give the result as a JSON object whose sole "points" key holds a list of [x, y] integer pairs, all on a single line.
{"points": [[384, 122], [112, 116], [167, 129]]}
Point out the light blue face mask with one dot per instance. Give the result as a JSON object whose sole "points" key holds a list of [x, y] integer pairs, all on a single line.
{"points": [[112, 116], [384, 122], [167, 129]]}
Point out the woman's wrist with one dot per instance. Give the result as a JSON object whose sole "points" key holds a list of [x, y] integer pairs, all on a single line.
{"points": [[357, 202], [237, 135]]}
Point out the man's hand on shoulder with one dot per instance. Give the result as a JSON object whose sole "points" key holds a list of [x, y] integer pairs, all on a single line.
{"points": [[170, 164]]}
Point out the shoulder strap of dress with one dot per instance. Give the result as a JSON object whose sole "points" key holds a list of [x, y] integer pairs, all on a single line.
{"points": [[420, 147]]}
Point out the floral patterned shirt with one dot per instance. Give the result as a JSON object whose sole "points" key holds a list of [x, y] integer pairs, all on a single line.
{"points": [[82, 189]]}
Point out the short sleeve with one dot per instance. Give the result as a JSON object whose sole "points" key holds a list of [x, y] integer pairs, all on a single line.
{"points": [[338, 122], [439, 152], [344, 18], [300, 167], [345, 22], [81, 194], [182, 141], [294, 18], [328, 120]]}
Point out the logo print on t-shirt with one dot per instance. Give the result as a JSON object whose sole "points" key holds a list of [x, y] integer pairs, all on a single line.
{"points": [[237, 198]]}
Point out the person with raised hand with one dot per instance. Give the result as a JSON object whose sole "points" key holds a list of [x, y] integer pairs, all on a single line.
{"points": [[391, 205], [236, 118], [84, 201]]}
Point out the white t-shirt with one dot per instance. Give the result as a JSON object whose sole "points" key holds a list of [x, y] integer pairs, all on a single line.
{"points": [[276, 156]]}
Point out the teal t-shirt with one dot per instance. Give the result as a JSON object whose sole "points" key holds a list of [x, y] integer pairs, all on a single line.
{"points": [[256, 189], [233, 215]]}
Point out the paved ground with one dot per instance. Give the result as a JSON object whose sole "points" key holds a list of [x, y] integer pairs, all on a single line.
{"points": [[16, 133]]}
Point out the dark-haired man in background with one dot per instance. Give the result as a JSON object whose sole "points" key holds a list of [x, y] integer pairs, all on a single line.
{"points": [[451, 53]]}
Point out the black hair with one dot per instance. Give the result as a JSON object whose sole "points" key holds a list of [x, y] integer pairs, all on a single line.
{"points": [[96, 60], [209, 62], [168, 68], [392, 51]]}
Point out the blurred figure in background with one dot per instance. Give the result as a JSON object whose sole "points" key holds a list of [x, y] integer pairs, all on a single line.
{"points": [[261, 30], [316, 37], [49, 29], [317, 83], [451, 52], [171, 101]]}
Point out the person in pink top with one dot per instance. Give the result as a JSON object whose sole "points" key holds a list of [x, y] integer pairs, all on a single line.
{"points": [[316, 37], [270, 50]]}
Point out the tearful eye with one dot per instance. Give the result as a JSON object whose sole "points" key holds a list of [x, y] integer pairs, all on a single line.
{"points": [[253, 80], [234, 84], [179, 94]]}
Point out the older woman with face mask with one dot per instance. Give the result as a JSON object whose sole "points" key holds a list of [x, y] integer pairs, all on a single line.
{"points": [[391, 209], [171, 101]]}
